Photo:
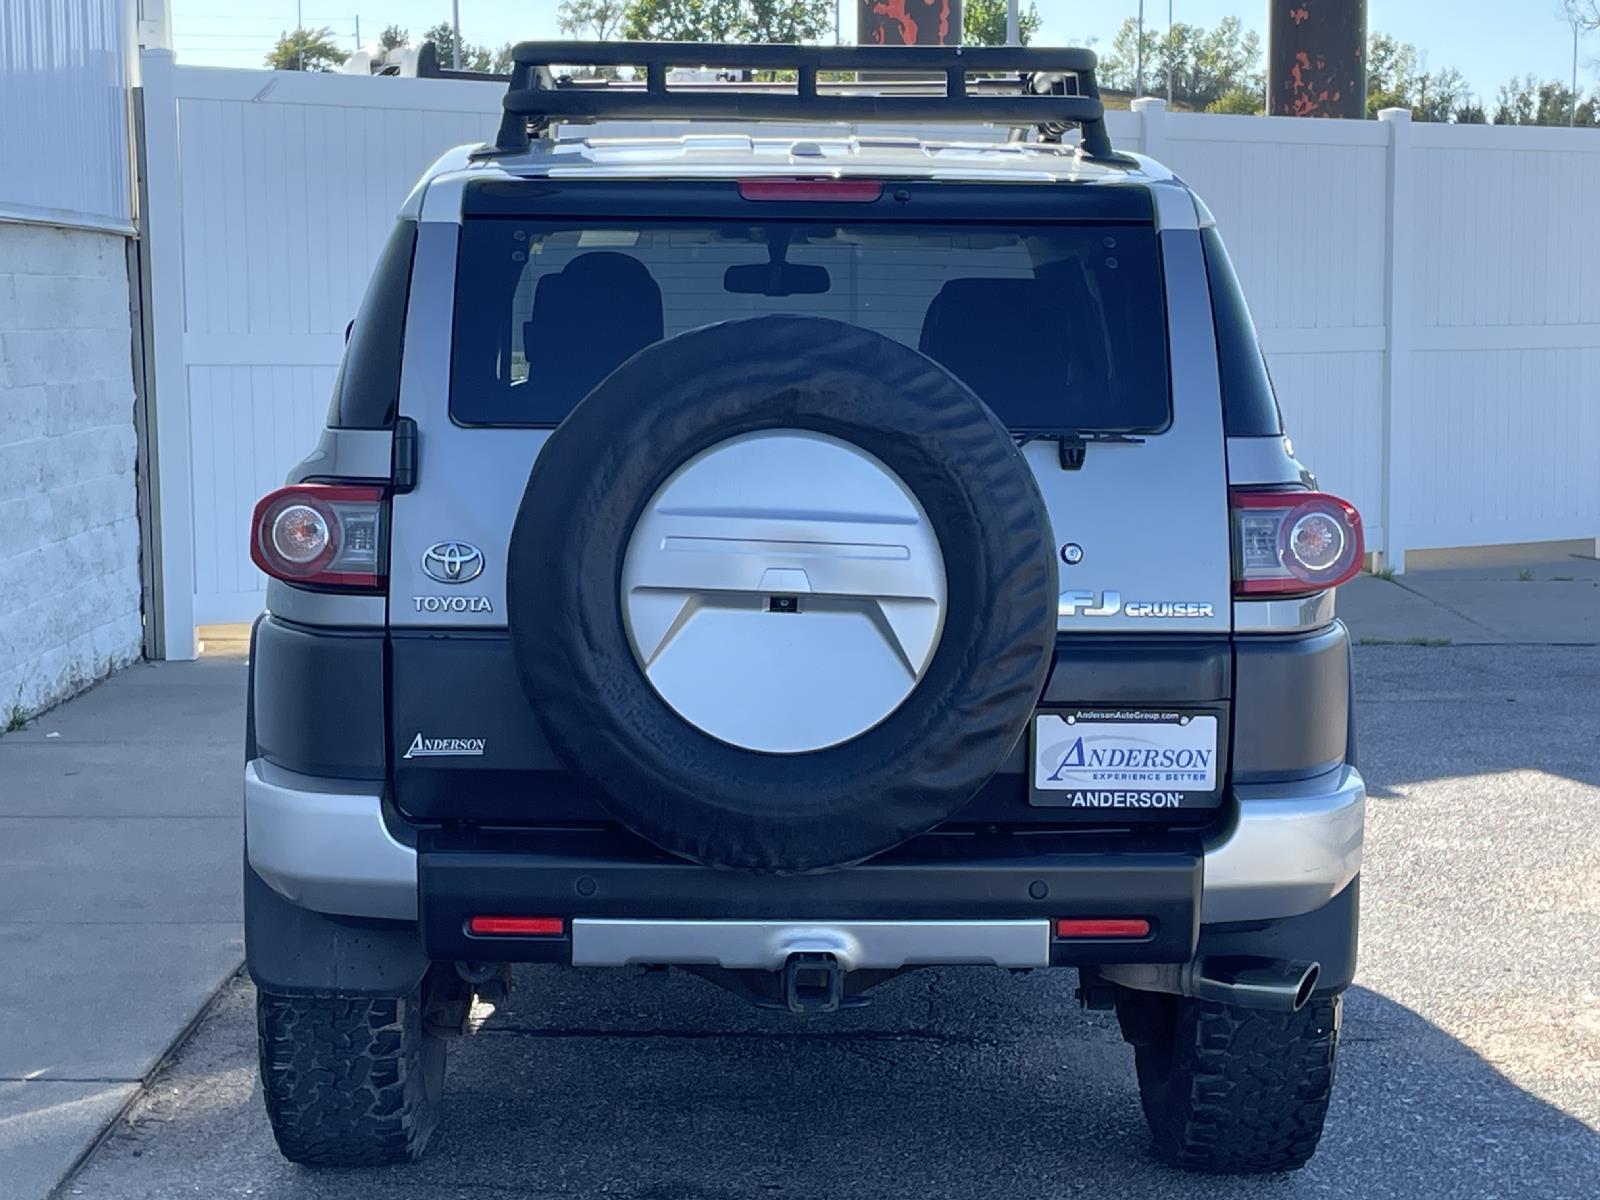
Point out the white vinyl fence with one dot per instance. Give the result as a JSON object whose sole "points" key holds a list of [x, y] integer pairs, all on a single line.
{"points": [[1428, 296]]}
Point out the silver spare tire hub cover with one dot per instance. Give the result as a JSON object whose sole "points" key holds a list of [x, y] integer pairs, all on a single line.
{"points": [[783, 591]]}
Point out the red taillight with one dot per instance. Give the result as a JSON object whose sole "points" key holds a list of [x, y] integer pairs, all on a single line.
{"points": [[814, 191], [1293, 542], [1102, 927], [322, 534], [516, 926]]}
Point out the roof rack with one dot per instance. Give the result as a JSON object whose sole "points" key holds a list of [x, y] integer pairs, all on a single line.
{"points": [[1047, 88]]}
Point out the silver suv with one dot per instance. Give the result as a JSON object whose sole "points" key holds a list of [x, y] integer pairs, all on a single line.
{"points": [[800, 555]]}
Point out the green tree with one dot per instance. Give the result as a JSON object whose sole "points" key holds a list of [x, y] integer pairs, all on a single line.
{"points": [[683, 20], [1203, 64], [1440, 95], [728, 20], [1398, 77], [1243, 102], [394, 38], [983, 23], [1391, 73], [787, 20], [306, 50], [1227, 58], [596, 20], [1525, 101], [1119, 69], [473, 58]]}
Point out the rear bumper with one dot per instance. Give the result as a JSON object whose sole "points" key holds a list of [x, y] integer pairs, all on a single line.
{"points": [[325, 846]]}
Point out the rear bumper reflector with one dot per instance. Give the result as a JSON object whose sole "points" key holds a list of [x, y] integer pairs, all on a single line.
{"points": [[516, 926], [1102, 927]]}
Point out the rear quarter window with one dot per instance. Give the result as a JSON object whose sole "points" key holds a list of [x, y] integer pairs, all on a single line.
{"points": [[367, 389], [1249, 404]]}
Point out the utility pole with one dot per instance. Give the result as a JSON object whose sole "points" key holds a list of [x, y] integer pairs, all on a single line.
{"points": [[358, 33], [455, 35], [300, 33], [1171, 48], [838, 27], [1138, 82], [1572, 112], [1013, 22]]}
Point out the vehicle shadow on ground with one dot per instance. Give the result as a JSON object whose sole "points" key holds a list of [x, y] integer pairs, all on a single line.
{"points": [[955, 1083]]}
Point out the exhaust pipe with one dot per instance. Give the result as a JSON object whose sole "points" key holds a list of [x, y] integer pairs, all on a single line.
{"points": [[1273, 984], [1251, 982]]}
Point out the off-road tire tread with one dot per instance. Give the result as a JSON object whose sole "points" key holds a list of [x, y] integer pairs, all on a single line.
{"points": [[1240, 1091], [344, 1078]]}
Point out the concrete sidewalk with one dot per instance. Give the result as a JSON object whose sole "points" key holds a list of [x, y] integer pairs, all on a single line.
{"points": [[119, 898], [1551, 603]]}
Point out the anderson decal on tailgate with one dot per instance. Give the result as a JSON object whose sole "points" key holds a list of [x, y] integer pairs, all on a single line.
{"points": [[1124, 759]]}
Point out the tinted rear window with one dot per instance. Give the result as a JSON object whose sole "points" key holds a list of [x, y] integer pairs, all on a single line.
{"points": [[1249, 404], [368, 385], [1056, 327]]}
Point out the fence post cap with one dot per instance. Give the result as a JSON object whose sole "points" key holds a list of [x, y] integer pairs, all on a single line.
{"points": [[1149, 104], [1402, 115]]}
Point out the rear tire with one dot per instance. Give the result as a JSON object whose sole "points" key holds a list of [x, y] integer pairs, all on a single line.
{"points": [[1229, 1089], [349, 1081]]}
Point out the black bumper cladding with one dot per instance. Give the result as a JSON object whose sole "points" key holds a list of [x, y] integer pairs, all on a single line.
{"points": [[571, 875]]}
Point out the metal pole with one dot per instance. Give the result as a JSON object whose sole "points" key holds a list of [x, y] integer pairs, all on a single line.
{"points": [[455, 35], [300, 33], [1170, 49], [1013, 23], [358, 33], [1138, 82], [838, 28], [1572, 112]]}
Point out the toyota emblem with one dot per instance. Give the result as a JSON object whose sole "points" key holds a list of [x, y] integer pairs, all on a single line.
{"points": [[452, 562]]}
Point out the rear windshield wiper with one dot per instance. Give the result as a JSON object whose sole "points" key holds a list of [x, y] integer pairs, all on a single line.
{"points": [[1072, 445]]}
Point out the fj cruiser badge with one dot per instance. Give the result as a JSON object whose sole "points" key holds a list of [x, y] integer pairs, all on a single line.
{"points": [[427, 747], [1109, 604]]}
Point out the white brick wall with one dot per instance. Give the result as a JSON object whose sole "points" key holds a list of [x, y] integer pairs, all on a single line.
{"points": [[69, 529]]}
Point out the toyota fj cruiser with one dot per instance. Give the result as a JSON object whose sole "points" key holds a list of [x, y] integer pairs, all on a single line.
{"points": [[798, 555]]}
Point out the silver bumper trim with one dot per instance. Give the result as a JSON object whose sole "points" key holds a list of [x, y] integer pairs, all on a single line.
{"points": [[767, 945], [323, 844], [1283, 616], [1292, 848]]}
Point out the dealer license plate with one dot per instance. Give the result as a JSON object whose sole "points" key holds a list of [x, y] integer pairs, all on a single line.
{"points": [[1111, 759]]}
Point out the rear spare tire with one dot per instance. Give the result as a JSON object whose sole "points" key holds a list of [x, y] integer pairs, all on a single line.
{"points": [[784, 590]]}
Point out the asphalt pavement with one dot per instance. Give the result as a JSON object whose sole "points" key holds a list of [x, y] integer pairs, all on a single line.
{"points": [[1470, 1062]]}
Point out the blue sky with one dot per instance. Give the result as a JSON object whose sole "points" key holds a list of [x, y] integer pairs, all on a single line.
{"points": [[1488, 41]]}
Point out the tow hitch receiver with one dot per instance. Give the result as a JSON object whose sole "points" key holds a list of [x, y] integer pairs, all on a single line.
{"points": [[812, 983]]}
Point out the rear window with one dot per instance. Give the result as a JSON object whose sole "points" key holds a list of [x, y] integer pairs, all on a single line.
{"points": [[1056, 327]]}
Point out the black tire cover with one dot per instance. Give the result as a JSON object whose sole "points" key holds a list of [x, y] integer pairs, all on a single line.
{"points": [[660, 776]]}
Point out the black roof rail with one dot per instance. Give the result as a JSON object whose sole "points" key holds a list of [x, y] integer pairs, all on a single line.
{"points": [[1050, 88]]}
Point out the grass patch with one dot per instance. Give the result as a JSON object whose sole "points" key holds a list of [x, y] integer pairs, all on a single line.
{"points": [[1385, 573], [1407, 641], [16, 718], [1525, 575]]}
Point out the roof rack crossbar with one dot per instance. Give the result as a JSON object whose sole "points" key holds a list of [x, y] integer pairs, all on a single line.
{"points": [[1050, 88]]}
